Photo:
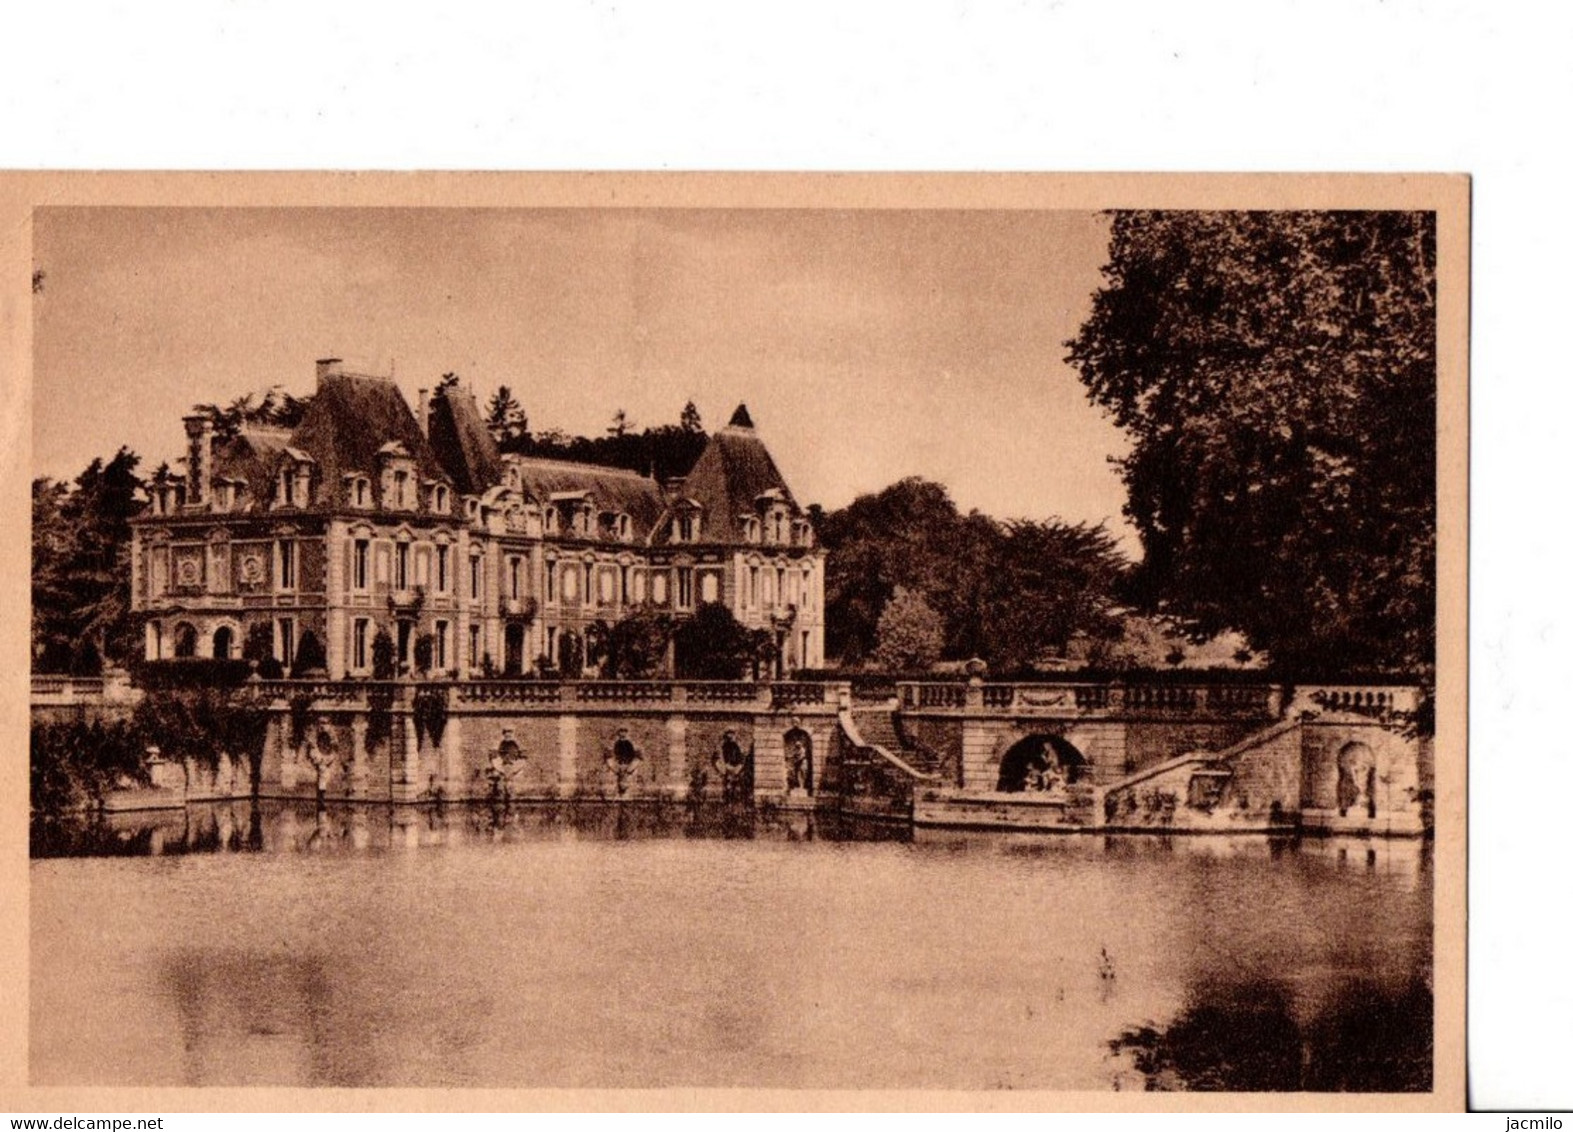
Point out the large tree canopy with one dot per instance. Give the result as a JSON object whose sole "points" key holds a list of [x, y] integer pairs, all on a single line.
{"points": [[1276, 372], [1009, 592], [82, 566]]}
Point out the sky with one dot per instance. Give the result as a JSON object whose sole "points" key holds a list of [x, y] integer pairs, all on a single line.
{"points": [[869, 345]]}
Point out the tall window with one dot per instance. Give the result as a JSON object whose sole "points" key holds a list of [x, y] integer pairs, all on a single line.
{"points": [[289, 488], [362, 559], [440, 647], [359, 649], [753, 587], [475, 577], [515, 576], [442, 569], [475, 647], [286, 565], [287, 640], [781, 590], [551, 581], [401, 482], [685, 587], [624, 585], [401, 566]]}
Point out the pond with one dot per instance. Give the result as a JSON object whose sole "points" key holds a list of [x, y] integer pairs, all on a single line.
{"points": [[641, 946]]}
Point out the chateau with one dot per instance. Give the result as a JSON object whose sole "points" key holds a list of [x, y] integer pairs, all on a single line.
{"points": [[369, 517]]}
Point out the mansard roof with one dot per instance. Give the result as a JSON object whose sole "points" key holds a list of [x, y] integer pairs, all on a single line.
{"points": [[252, 454], [613, 489], [729, 477], [350, 421], [461, 442]]}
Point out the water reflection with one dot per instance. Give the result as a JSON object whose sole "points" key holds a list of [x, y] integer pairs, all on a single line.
{"points": [[1257, 1037], [296, 827], [641, 945]]}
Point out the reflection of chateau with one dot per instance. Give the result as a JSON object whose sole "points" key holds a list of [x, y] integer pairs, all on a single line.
{"points": [[365, 517]]}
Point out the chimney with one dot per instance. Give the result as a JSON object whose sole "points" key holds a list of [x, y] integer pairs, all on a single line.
{"points": [[423, 414], [199, 458], [329, 367]]}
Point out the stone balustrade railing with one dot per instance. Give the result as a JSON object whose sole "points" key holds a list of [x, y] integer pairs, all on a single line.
{"points": [[49, 690], [1366, 699], [67, 688], [562, 694], [1087, 699]]}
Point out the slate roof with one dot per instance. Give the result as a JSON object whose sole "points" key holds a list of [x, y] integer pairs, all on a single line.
{"points": [[252, 454], [460, 441], [350, 418], [614, 489], [733, 471]]}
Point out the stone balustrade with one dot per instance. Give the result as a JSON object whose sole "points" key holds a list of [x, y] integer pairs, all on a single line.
{"points": [[564, 695], [1087, 700]]}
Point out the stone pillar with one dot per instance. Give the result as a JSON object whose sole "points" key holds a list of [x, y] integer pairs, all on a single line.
{"points": [[359, 771], [978, 774], [406, 783], [453, 778], [769, 759], [567, 754], [278, 731], [677, 753]]}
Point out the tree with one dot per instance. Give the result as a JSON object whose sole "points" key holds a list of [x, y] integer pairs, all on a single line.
{"points": [[711, 645], [505, 419], [1008, 592], [384, 662], [689, 421], [258, 648], [911, 634], [1276, 372], [310, 657], [82, 564], [633, 648], [620, 425], [425, 652]]}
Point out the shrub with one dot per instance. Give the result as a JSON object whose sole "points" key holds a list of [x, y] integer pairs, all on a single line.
{"points": [[310, 657]]}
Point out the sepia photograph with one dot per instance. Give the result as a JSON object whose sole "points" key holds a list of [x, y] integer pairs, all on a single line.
{"points": [[902, 635]]}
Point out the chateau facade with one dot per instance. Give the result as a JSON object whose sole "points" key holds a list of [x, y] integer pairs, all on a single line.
{"points": [[369, 517]]}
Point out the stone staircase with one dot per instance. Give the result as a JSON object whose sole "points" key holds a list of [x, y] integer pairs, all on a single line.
{"points": [[881, 727]]}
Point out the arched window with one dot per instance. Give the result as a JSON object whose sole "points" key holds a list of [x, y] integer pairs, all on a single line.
{"points": [[185, 639], [223, 642]]}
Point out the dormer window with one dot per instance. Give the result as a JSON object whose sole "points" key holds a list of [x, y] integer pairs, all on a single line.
{"points": [[362, 491], [439, 499], [686, 528], [625, 528], [401, 488], [750, 529], [472, 509], [551, 520]]}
